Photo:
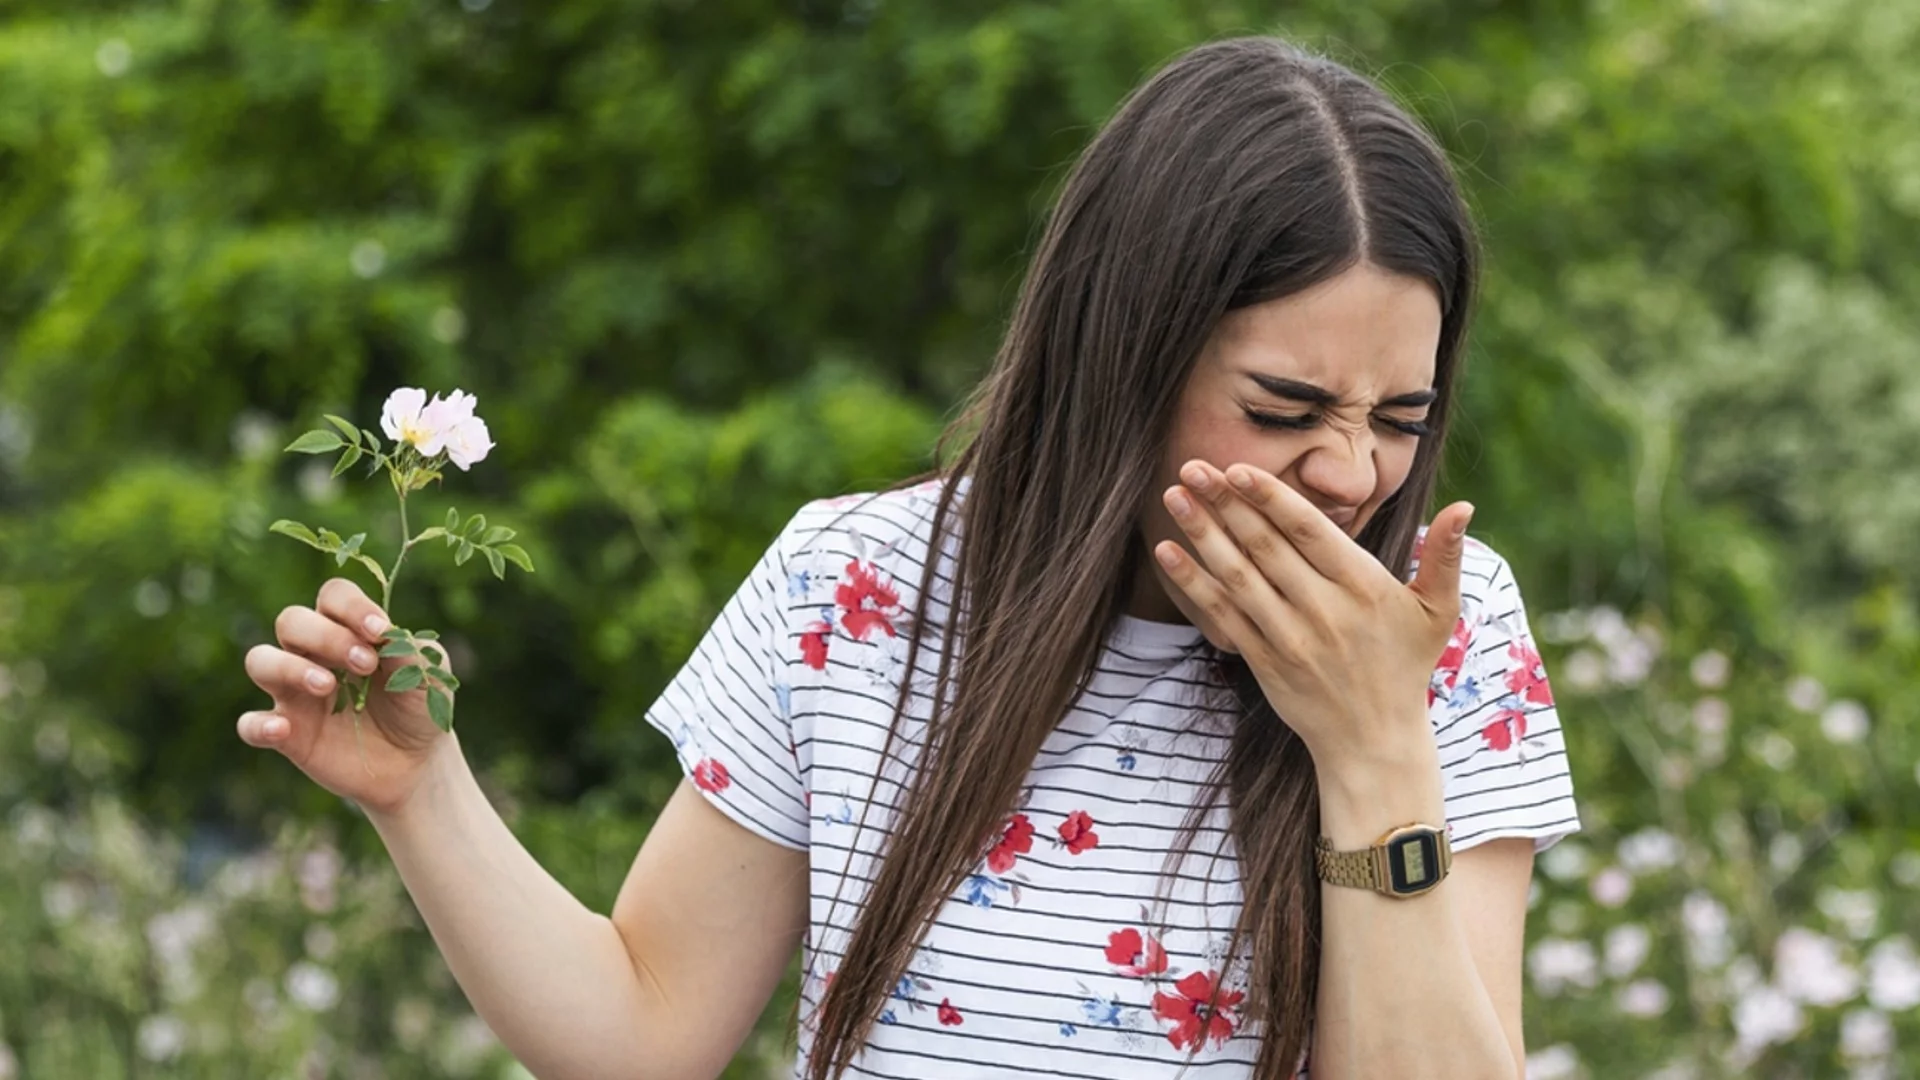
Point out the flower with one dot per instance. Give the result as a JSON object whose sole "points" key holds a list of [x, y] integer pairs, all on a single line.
{"points": [[949, 1015], [1134, 954], [1016, 841], [1528, 677], [1509, 726], [867, 603], [1194, 1019], [1078, 832], [710, 775], [813, 645], [442, 425]]}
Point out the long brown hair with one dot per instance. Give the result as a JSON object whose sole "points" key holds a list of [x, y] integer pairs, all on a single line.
{"points": [[1244, 171]]}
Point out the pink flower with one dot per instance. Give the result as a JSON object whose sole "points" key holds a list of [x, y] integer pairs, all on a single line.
{"points": [[439, 426], [1194, 1020], [949, 1015], [867, 604], [1078, 832], [710, 775], [1016, 841], [1134, 954], [1508, 727], [1528, 677]]}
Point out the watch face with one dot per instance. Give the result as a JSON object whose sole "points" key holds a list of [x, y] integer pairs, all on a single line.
{"points": [[1413, 862]]}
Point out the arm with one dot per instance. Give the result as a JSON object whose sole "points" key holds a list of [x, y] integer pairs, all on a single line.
{"points": [[1427, 986], [665, 989]]}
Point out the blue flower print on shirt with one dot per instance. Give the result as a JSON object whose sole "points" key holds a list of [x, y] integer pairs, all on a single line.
{"points": [[979, 889]]}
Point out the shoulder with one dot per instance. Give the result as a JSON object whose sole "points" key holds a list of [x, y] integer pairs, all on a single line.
{"points": [[863, 527]]}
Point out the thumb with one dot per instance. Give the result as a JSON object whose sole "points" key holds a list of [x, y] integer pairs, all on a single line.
{"points": [[1438, 580]]}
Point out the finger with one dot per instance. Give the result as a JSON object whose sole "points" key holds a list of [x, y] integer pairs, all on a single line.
{"points": [[1328, 550], [267, 730], [1207, 594], [1437, 582], [343, 601], [1283, 566], [1229, 575], [308, 633], [298, 685]]}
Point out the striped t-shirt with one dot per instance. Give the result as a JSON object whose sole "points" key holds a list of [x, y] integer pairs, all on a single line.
{"points": [[1063, 954]]}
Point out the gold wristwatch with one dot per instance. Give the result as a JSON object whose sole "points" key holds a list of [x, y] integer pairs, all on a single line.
{"points": [[1407, 861]]}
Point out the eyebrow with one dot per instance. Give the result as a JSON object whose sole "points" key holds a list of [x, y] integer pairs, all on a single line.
{"points": [[1310, 394]]}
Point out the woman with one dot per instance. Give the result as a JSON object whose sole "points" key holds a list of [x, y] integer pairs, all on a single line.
{"points": [[1205, 728]]}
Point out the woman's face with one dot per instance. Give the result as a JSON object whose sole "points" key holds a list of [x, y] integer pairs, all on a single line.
{"points": [[1324, 389]]}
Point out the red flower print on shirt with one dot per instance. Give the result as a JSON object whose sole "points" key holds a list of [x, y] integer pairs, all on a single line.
{"points": [[1135, 955], [813, 644], [1528, 677], [1078, 832], [867, 603], [949, 1015], [1447, 671], [1194, 1021], [1509, 726], [710, 775], [1015, 842]]}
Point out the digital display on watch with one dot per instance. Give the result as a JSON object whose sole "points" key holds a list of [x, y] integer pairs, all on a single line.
{"points": [[1413, 862]]}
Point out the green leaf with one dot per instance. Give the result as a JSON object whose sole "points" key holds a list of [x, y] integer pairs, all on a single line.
{"points": [[395, 633], [499, 564], [346, 460], [429, 534], [466, 552], [516, 555], [349, 549], [474, 525], [453, 520], [443, 676], [379, 574], [405, 679], [427, 635], [288, 527], [331, 539], [342, 692], [373, 441], [440, 708], [398, 648], [346, 426], [499, 534], [315, 442]]}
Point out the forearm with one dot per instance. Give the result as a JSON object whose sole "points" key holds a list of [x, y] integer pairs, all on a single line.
{"points": [[553, 979], [1399, 993]]}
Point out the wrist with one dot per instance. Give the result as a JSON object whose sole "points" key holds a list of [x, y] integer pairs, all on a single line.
{"points": [[1362, 799], [444, 774]]}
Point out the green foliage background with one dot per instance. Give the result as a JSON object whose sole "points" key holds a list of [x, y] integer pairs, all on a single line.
{"points": [[703, 261]]}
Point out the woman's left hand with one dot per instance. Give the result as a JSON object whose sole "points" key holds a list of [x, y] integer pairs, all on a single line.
{"points": [[1343, 650]]}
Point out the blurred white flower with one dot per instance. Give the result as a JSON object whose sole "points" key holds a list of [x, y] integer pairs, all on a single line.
{"points": [[9, 1064], [1808, 967], [318, 873], [1556, 1062], [1710, 669], [161, 1037], [1893, 975], [174, 935], [1855, 910], [412, 1021], [467, 1042], [1764, 1016], [1611, 887], [1564, 861], [1805, 693], [51, 743], [1845, 721], [1584, 670], [1558, 963], [196, 583], [62, 900], [317, 483], [1649, 850], [312, 987], [113, 57], [253, 434], [1711, 716], [1785, 853], [1707, 927], [247, 876], [35, 828], [1643, 998], [260, 997], [1866, 1033], [368, 258], [1626, 947], [1905, 868], [1775, 749]]}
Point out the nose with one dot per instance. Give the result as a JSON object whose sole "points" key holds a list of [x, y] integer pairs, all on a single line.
{"points": [[1340, 469]]}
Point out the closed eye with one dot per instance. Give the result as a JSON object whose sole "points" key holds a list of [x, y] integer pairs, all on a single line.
{"points": [[1273, 421]]}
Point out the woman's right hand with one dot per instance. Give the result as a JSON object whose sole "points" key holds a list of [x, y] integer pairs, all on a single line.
{"points": [[380, 765]]}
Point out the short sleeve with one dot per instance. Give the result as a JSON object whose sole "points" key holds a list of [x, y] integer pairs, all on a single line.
{"points": [[1503, 757], [727, 713]]}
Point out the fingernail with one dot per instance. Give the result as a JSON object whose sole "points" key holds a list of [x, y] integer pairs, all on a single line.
{"points": [[1461, 529], [361, 657], [274, 728], [1168, 557], [1241, 479], [376, 625], [1178, 502], [319, 680], [1196, 478]]}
